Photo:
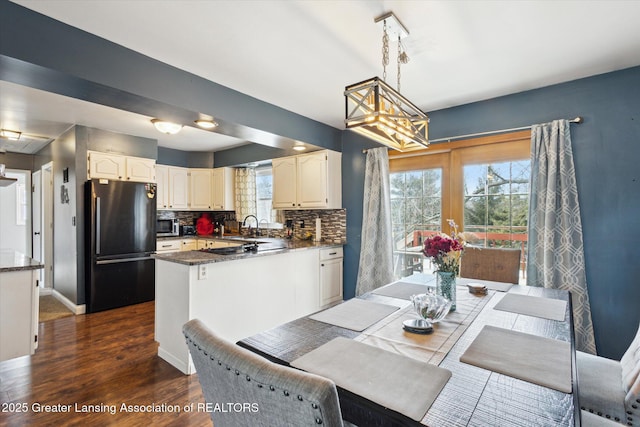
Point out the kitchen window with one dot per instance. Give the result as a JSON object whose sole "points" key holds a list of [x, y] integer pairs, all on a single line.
{"points": [[482, 184], [264, 194]]}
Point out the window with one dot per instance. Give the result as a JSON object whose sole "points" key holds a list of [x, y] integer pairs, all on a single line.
{"points": [[416, 212], [264, 193], [482, 184], [496, 203]]}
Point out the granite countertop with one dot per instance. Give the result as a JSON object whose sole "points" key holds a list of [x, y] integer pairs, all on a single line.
{"points": [[15, 261], [201, 257]]}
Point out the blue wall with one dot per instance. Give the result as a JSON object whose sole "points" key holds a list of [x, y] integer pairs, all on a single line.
{"points": [[606, 154]]}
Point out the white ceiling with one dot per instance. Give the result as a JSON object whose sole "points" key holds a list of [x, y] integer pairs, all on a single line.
{"points": [[300, 55]]}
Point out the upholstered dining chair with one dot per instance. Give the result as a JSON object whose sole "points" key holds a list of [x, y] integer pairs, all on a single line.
{"points": [[495, 264], [252, 391], [609, 388]]}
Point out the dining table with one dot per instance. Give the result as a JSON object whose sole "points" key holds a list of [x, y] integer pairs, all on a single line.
{"points": [[504, 357]]}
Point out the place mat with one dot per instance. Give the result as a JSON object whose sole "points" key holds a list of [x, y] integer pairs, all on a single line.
{"points": [[430, 348], [495, 286], [355, 314], [400, 383], [401, 290], [539, 360], [547, 308]]}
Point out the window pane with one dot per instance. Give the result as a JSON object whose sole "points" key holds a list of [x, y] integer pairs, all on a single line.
{"points": [[416, 208], [496, 215]]}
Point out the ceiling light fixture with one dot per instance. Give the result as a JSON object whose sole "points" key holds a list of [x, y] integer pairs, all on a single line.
{"points": [[377, 111], [13, 135], [166, 127], [206, 124], [299, 146]]}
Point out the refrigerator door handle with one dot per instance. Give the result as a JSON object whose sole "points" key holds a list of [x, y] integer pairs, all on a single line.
{"points": [[97, 225], [119, 260]]}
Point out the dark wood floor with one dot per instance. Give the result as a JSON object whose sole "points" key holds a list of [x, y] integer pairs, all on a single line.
{"points": [[100, 359]]}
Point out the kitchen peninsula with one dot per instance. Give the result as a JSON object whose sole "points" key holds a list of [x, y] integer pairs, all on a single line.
{"points": [[18, 304], [245, 288]]}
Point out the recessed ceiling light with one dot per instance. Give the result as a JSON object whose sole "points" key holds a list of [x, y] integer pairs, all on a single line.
{"points": [[299, 146], [13, 135], [166, 127], [206, 124]]}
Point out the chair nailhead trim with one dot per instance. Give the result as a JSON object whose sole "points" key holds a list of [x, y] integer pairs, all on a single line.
{"points": [[318, 421], [314, 406], [286, 393], [259, 385], [300, 398], [237, 372], [248, 378]]}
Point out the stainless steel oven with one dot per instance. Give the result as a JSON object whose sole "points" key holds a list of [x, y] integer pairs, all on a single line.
{"points": [[167, 227]]}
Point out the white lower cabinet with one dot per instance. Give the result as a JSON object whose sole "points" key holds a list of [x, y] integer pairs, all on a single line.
{"points": [[331, 273], [166, 246], [236, 299], [188, 245], [18, 313]]}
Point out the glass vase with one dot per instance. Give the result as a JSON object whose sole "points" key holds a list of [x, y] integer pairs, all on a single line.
{"points": [[446, 286]]}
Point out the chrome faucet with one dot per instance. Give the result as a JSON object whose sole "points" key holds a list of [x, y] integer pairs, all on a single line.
{"points": [[257, 232]]}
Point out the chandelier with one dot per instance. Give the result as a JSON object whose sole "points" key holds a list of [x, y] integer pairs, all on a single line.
{"points": [[377, 111]]}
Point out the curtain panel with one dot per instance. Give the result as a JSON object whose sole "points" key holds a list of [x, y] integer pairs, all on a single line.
{"points": [[376, 243], [555, 248], [246, 201]]}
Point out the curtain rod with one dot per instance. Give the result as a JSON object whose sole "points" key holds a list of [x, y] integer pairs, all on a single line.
{"points": [[577, 120]]}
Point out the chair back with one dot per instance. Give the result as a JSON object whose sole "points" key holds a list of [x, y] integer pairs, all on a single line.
{"points": [[630, 364], [248, 390], [495, 264]]}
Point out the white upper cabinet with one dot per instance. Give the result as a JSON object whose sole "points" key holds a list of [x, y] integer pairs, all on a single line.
{"points": [[178, 188], [120, 168], [284, 183], [223, 189], [308, 181], [200, 189], [103, 165], [162, 191], [140, 169]]}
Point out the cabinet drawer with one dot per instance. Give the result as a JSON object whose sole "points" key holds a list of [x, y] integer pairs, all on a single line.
{"points": [[330, 253], [168, 245]]}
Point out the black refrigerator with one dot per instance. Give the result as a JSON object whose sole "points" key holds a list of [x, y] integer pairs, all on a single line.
{"points": [[120, 233]]}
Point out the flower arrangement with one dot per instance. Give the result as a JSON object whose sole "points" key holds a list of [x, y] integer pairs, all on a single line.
{"points": [[444, 250]]}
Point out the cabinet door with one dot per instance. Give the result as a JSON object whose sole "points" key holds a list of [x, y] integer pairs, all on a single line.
{"points": [[162, 189], [189, 245], [140, 169], [103, 165], [178, 188], [330, 281], [284, 183], [223, 189], [312, 181], [200, 189]]}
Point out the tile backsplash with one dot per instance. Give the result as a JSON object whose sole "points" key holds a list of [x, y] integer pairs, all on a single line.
{"points": [[333, 222]]}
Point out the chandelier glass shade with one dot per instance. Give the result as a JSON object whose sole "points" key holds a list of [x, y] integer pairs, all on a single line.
{"points": [[376, 110]]}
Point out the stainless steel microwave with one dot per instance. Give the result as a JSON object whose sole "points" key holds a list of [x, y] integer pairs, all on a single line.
{"points": [[167, 227]]}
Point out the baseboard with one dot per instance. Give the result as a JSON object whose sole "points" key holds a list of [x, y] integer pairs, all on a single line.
{"points": [[186, 369], [45, 291], [75, 309]]}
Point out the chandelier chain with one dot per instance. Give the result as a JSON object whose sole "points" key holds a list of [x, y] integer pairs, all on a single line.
{"points": [[385, 51]]}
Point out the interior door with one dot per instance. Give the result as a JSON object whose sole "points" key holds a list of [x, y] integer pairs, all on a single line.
{"points": [[36, 218]]}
